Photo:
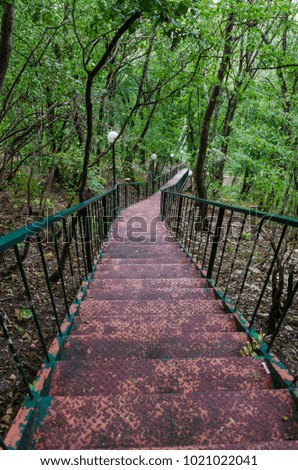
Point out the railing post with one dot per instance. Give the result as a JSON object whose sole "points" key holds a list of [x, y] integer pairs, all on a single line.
{"points": [[215, 241], [87, 240], [146, 189], [153, 186]]}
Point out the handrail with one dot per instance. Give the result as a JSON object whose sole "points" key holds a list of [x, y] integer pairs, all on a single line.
{"points": [[293, 222], [225, 241], [17, 236], [66, 247]]}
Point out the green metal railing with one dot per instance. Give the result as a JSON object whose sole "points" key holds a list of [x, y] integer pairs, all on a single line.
{"points": [[63, 251], [250, 256]]}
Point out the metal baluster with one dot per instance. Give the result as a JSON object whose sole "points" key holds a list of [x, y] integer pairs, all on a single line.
{"points": [[104, 216], [90, 228], [224, 247], [31, 302], [74, 221], [249, 261], [60, 270], [82, 243], [188, 221], [2, 444], [117, 199], [95, 211], [16, 356], [48, 282], [183, 217], [178, 220], [268, 275], [208, 236], [125, 196], [235, 254], [286, 308], [192, 225], [67, 242], [138, 192], [199, 232], [99, 226], [215, 242], [87, 240]]}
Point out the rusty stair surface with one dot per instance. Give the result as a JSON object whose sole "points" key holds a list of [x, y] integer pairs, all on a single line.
{"points": [[153, 361]]}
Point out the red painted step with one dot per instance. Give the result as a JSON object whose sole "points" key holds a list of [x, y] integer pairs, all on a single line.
{"points": [[135, 326], [146, 376], [144, 240], [148, 257], [162, 309], [162, 293], [150, 271], [194, 419], [162, 259], [138, 248], [147, 283], [269, 445], [214, 344]]}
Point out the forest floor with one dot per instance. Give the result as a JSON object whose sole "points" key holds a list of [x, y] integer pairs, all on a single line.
{"points": [[15, 310]]}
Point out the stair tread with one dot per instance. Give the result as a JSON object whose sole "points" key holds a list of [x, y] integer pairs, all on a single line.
{"points": [[126, 421], [142, 260], [267, 445], [213, 344], [147, 283], [130, 375], [135, 326], [160, 308], [126, 293]]}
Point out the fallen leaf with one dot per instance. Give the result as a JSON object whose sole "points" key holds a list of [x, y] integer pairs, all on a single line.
{"points": [[11, 378]]}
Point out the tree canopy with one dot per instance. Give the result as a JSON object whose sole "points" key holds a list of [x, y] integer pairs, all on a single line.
{"points": [[212, 82]]}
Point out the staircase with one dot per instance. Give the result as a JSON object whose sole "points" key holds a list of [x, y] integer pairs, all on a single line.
{"points": [[153, 360]]}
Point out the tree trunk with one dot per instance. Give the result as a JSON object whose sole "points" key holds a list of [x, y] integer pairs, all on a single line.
{"points": [[88, 97], [246, 183], [6, 39], [232, 104], [199, 173]]}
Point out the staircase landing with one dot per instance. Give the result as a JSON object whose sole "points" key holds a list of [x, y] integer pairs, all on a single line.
{"points": [[153, 360]]}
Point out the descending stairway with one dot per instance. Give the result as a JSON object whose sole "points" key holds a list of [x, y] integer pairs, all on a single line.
{"points": [[153, 361]]}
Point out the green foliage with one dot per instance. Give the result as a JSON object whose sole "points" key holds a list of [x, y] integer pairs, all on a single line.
{"points": [[252, 348], [166, 65], [23, 314]]}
